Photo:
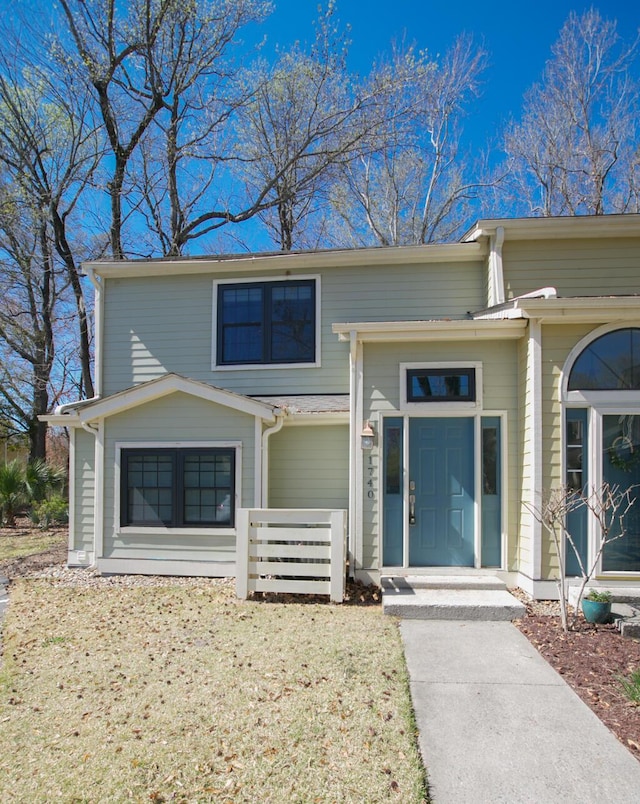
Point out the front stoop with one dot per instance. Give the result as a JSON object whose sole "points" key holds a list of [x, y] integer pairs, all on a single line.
{"points": [[447, 597], [626, 616]]}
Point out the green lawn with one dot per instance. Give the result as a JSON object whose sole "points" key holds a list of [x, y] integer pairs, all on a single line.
{"points": [[183, 693]]}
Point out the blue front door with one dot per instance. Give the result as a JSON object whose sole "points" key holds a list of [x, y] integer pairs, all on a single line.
{"points": [[441, 492]]}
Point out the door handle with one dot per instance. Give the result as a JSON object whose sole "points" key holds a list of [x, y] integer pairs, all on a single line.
{"points": [[412, 509]]}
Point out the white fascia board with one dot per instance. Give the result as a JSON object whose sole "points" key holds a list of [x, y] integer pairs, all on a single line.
{"points": [[462, 330], [395, 255], [591, 310], [62, 419], [580, 226], [170, 384]]}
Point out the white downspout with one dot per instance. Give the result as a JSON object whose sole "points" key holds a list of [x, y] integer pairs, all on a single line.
{"points": [[98, 315], [264, 492], [496, 274], [98, 491]]}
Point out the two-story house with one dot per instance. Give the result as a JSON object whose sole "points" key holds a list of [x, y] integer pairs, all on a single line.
{"points": [[433, 391]]}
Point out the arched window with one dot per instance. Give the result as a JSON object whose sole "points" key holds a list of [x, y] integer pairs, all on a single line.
{"points": [[610, 363]]}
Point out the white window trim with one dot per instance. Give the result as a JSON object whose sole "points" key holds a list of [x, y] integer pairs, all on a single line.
{"points": [[598, 404], [434, 407], [215, 366], [406, 417], [584, 397], [162, 531]]}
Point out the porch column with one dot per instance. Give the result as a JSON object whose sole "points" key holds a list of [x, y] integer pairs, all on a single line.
{"points": [[355, 453], [532, 463]]}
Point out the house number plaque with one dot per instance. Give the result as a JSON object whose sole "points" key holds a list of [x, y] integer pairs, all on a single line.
{"points": [[370, 481]]}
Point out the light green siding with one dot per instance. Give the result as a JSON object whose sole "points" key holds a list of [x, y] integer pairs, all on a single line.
{"points": [[84, 491], [175, 418], [557, 343], [589, 267], [309, 467], [499, 395], [524, 554], [165, 324]]}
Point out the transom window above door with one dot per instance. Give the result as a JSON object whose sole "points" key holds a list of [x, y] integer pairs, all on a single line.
{"points": [[266, 323], [441, 384]]}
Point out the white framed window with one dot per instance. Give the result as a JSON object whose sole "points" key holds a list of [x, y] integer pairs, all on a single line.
{"points": [[177, 486], [266, 323]]}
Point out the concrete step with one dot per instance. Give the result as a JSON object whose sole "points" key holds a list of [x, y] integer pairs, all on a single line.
{"points": [[452, 604], [630, 627], [404, 582]]}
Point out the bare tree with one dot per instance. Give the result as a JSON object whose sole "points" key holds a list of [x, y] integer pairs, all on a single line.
{"points": [[575, 149], [49, 151], [27, 344], [609, 505], [307, 118], [156, 70], [411, 185]]}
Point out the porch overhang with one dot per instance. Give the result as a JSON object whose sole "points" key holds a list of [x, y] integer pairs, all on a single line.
{"points": [[570, 310], [437, 330]]}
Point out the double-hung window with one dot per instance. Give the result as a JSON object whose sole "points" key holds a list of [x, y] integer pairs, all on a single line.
{"points": [[266, 322], [177, 487]]}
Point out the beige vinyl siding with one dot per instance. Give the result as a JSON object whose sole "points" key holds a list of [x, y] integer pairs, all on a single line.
{"points": [[499, 394], [183, 418], [309, 467], [84, 491], [164, 324], [590, 267], [557, 343]]}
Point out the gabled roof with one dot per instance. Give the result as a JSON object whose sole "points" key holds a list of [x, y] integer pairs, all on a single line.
{"points": [[90, 410]]}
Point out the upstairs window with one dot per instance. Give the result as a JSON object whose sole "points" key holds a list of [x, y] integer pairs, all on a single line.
{"points": [[164, 487], [266, 323]]}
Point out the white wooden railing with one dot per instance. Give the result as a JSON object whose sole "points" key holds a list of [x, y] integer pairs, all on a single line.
{"points": [[299, 551]]}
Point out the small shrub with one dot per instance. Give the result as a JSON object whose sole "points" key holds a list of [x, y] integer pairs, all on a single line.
{"points": [[53, 511], [599, 596], [631, 686]]}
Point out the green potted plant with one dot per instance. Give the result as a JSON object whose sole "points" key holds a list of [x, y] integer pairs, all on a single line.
{"points": [[596, 606]]}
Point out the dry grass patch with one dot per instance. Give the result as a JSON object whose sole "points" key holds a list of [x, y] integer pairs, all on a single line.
{"points": [[18, 542], [184, 694]]}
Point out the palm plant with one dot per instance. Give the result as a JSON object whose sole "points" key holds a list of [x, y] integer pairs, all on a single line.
{"points": [[13, 492], [40, 479], [27, 486]]}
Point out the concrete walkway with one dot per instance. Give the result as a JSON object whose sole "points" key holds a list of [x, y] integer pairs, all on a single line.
{"points": [[498, 724]]}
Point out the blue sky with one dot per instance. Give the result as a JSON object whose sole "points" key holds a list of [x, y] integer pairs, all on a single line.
{"points": [[518, 36]]}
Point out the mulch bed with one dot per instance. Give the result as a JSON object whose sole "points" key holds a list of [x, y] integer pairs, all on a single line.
{"points": [[592, 659]]}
